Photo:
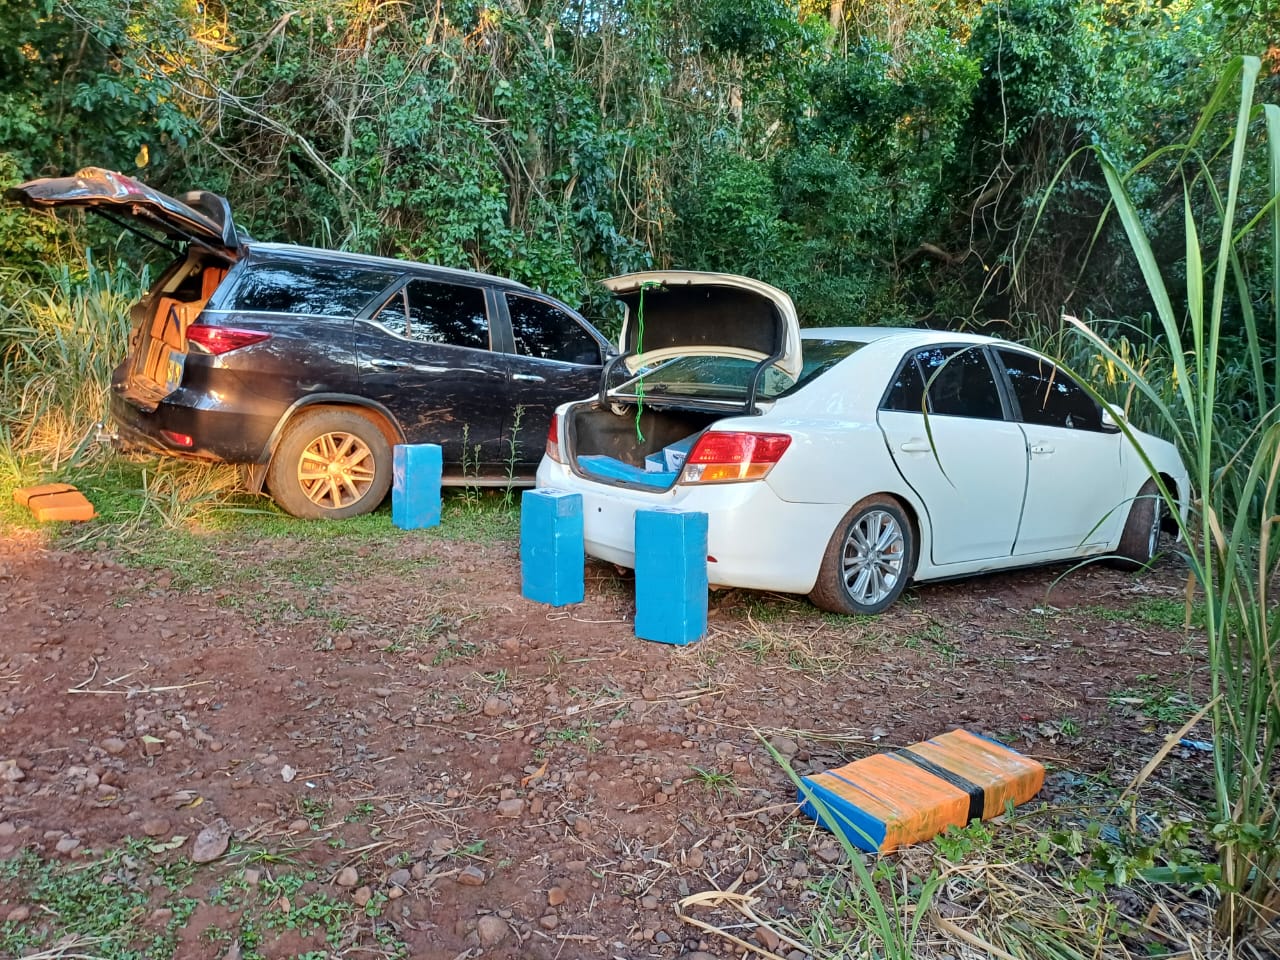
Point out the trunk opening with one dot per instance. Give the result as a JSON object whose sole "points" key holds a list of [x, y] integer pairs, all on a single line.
{"points": [[158, 342], [602, 442]]}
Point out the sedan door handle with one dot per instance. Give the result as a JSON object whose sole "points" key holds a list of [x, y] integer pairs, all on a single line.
{"points": [[530, 377], [916, 446], [1041, 448], [389, 365]]}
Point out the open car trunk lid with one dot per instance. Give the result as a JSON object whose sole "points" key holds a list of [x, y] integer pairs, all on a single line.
{"points": [[675, 313], [699, 347], [199, 221], [198, 217]]}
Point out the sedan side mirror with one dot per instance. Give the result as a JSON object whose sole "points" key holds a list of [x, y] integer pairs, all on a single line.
{"points": [[1109, 423]]}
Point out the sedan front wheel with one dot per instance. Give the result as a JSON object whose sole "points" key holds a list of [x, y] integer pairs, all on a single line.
{"points": [[1140, 541], [869, 560]]}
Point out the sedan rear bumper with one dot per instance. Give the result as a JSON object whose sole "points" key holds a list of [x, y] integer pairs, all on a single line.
{"points": [[754, 539]]}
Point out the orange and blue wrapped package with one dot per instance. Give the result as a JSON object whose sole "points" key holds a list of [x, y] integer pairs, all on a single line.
{"points": [[893, 799]]}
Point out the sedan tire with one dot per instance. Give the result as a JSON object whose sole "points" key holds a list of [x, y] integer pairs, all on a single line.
{"points": [[869, 560], [330, 464], [1140, 541]]}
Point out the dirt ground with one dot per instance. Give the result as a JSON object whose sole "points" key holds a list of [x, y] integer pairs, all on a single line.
{"points": [[505, 779]]}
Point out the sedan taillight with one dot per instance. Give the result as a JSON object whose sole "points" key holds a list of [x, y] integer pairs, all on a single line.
{"points": [[219, 340], [553, 439], [730, 457]]}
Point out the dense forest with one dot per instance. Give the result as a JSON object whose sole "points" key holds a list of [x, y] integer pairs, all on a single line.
{"points": [[884, 162]]}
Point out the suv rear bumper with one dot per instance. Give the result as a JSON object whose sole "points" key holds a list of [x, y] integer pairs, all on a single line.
{"points": [[223, 435]]}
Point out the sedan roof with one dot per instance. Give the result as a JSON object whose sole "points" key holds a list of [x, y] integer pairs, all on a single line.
{"points": [[908, 336]]}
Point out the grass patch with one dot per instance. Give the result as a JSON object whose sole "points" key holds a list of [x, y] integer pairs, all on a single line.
{"points": [[100, 904], [189, 520], [110, 906], [1163, 612], [805, 642], [1155, 698], [582, 732], [713, 781]]}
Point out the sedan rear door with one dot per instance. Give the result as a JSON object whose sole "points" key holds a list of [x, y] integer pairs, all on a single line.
{"points": [[968, 463]]}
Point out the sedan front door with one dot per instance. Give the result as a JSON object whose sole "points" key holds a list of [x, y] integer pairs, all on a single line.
{"points": [[1075, 492], [968, 464]]}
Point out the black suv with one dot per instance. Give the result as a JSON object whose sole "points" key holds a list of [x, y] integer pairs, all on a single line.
{"points": [[307, 365]]}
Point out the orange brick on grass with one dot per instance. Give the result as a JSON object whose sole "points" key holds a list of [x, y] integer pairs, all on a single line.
{"points": [[23, 495], [69, 505]]}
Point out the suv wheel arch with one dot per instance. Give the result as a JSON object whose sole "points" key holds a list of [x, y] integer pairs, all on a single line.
{"points": [[254, 475]]}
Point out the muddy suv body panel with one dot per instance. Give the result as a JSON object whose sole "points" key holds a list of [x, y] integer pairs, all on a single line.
{"points": [[237, 339]]}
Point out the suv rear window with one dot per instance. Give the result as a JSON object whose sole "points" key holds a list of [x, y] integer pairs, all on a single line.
{"points": [[432, 312], [319, 289]]}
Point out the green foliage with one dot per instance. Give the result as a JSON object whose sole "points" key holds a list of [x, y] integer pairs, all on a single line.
{"points": [[60, 336], [878, 162], [1226, 428]]}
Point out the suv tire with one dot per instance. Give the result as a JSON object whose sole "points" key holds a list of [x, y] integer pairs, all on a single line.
{"points": [[330, 464]]}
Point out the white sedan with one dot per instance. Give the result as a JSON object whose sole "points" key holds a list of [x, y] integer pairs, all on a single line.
{"points": [[844, 463]]}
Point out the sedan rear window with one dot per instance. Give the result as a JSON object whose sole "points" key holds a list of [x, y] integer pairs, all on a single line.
{"points": [[726, 377], [1047, 396], [319, 289]]}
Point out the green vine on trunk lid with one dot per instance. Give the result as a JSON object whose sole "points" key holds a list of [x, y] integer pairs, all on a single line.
{"points": [[639, 350]]}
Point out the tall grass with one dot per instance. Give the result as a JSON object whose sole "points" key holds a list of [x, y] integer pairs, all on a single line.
{"points": [[1216, 396], [60, 336]]}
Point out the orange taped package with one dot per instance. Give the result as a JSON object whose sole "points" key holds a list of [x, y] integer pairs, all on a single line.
{"points": [[892, 799], [56, 501], [24, 495]]}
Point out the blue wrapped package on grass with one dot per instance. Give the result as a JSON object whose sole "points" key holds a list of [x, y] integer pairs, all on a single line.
{"points": [[893, 799]]}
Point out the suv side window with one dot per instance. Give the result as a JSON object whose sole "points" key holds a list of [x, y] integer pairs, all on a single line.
{"points": [[319, 289], [428, 311], [959, 380], [1047, 396], [544, 331]]}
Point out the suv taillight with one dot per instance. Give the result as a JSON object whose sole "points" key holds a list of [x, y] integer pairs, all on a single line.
{"points": [[219, 340], [730, 457], [553, 439]]}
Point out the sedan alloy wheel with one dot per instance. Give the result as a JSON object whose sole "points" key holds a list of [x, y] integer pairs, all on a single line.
{"points": [[869, 559], [874, 556]]}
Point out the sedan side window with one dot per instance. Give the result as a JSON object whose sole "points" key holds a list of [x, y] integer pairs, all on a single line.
{"points": [[431, 312], [546, 332], [1047, 396], [959, 381]]}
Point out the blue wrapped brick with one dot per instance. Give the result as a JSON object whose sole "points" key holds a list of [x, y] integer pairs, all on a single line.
{"points": [[608, 468], [671, 576], [551, 551], [415, 485]]}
